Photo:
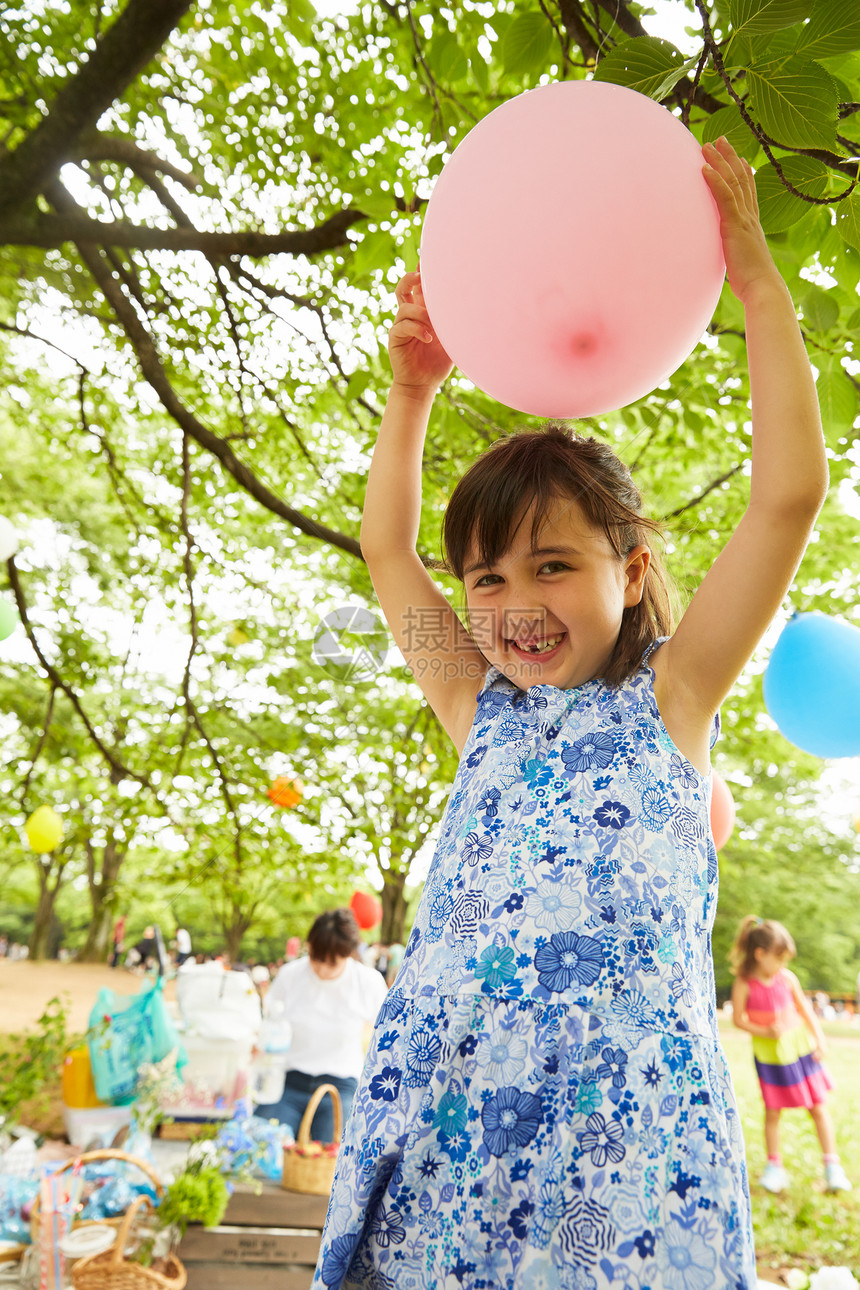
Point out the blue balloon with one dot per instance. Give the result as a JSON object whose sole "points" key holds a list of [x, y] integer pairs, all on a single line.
{"points": [[812, 685]]}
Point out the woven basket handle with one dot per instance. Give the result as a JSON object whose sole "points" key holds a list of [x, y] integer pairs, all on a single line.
{"points": [[117, 1254], [108, 1153], [308, 1118]]}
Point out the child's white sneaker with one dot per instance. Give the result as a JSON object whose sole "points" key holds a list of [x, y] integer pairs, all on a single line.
{"points": [[774, 1178], [835, 1178]]}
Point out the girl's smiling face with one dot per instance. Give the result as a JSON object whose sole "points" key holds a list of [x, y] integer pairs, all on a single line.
{"points": [[769, 963], [551, 614]]}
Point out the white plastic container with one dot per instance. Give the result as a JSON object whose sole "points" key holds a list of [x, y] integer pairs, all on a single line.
{"points": [[216, 1076], [94, 1127], [267, 1078]]}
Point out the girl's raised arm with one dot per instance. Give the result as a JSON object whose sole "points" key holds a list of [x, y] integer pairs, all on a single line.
{"points": [[747, 584], [439, 651]]}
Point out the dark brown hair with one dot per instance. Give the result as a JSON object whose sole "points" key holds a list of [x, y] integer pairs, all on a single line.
{"points": [[544, 467], [334, 935], [756, 933]]}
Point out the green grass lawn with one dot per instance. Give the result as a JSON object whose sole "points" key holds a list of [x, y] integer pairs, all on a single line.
{"points": [[803, 1227]]}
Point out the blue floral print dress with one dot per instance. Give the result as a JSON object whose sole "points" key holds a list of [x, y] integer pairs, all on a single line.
{"points": [[545, 1103]]}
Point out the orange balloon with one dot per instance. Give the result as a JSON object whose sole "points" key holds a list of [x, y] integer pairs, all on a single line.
{"points": [[722, 811], [285, 792]]}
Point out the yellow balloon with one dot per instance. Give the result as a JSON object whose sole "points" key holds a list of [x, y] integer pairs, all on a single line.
{"points": [[856, 823], [44, 829]]}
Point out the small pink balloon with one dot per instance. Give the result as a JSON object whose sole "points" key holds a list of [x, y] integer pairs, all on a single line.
{"points": [[571, 256], [722, 811]]}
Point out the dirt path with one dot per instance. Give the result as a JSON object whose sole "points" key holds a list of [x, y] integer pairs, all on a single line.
{"points": [[26, 987]]}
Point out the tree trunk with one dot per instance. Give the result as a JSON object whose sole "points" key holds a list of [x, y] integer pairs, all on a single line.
{"points": [[102, 887], [39, 947], [234, 933], [98, 943], [394, 908]]}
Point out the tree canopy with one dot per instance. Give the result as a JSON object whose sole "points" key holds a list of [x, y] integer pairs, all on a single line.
{"points": [[203, 211]]}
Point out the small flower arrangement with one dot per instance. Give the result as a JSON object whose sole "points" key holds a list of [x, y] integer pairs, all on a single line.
{"points": [[157, 1082]]}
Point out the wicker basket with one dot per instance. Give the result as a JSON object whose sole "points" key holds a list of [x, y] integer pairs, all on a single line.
{"points": [[109, 1153], [110, 1270], [313, 1175]]}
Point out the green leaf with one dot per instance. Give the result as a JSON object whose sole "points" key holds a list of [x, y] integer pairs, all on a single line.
{"points": [[837, 397], [374, 251], [820, 308], [378, 205], [409, 245], [358, 383], [480, 72], [848, 219], [849, 126], [302, 16], [752, 17], [526, 44], [794, 102], [779, 208], [446, 59], [833, 28], [771, 48], [644, 63], [728, 121]]}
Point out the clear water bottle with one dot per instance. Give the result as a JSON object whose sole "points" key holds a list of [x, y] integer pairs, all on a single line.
{"points": [[267, 1072]]}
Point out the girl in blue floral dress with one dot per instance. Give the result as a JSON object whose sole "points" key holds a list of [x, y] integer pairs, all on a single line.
{"points": [[545, 1103]]}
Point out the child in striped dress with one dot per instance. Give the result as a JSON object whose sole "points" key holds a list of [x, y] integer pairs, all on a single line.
{"points": [[767, 1001]]}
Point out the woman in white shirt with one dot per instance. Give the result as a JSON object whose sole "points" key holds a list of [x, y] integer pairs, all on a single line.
{"points": [[327, 1000]]}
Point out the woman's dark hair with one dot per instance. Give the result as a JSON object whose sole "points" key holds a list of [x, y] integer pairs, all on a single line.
{"points": [[334, 935], [756, 933], [544, 467]]}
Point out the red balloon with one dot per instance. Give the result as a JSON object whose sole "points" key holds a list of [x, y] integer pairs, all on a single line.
{"points": [[367, 910], [722, 811]]}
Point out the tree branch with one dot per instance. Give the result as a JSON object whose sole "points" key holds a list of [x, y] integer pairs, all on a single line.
{"points": [[193, 625], [118, 58], [717, 59], [622, 17], [153, 371], [52, 231], [700, 497], [118, 147], [57, 683], [574, 23]]}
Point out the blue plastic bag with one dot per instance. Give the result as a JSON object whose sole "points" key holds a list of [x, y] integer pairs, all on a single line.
{"points": [[125, 1032]]}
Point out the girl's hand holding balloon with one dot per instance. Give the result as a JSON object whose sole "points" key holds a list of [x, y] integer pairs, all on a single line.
{"points": [[418, 361], [731, 181]]}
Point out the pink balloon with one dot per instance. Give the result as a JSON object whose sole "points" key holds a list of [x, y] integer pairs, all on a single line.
{"points": [[722, 811], [571, 255]]}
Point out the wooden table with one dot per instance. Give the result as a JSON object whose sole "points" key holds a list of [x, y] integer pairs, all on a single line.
{"points": [[266, 1242]]}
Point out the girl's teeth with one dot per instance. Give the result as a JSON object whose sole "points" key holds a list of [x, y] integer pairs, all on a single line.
{"points": [[542, 649]]}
